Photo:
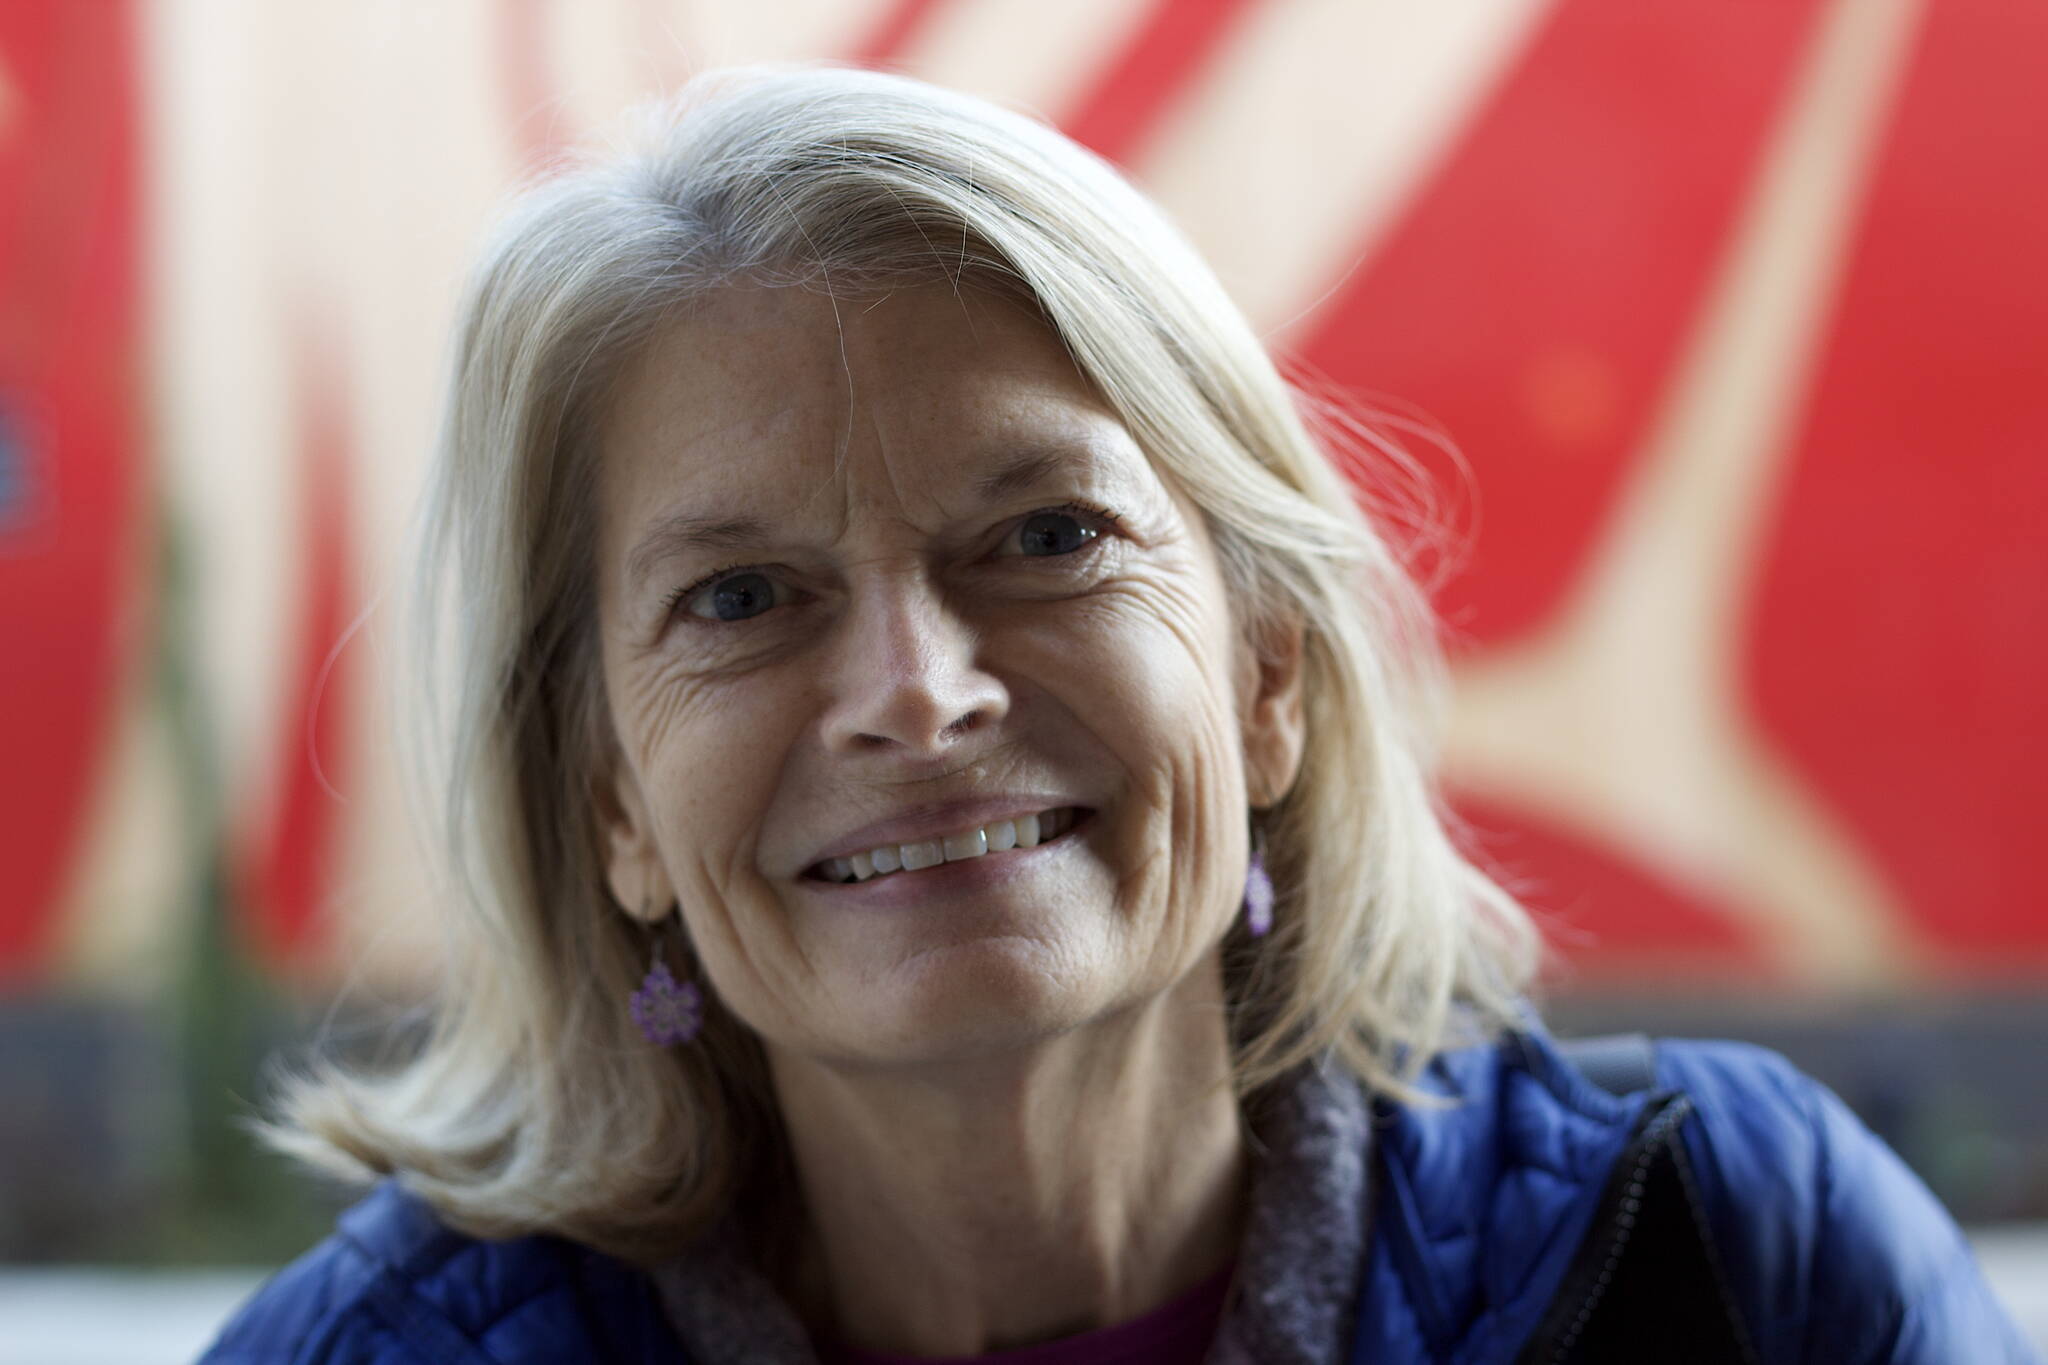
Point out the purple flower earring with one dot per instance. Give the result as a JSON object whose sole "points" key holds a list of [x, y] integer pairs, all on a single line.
{"points": [[668, 1011], [1258, 889]]}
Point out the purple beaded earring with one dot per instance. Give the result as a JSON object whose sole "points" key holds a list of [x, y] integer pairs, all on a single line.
{"points": [[668, 1011], [1258, 888]]}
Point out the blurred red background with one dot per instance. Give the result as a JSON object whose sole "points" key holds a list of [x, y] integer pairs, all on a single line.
{"points": [[1736, 314]]}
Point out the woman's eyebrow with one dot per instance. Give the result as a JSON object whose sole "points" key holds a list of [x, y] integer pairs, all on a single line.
{"points": [[1026, 469], [683, 531], [680, 532]]}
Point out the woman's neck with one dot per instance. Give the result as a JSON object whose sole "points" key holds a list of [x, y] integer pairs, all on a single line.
{"points": [[1017, 1200]]}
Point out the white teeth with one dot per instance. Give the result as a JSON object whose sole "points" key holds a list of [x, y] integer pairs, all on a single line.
{"points": [[972, 844], [1027, 831]]}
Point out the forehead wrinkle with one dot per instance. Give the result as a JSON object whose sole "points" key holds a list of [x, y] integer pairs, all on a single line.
{"points": [[838, 477], [889, 498], [901, 483]]}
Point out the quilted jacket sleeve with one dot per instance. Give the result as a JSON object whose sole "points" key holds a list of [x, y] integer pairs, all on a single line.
{"points": [[393, 1286], [314, 1310], [1833, 1249]]}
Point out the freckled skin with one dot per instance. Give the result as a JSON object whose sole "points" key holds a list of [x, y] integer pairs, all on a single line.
{"points": [[915, 654]]}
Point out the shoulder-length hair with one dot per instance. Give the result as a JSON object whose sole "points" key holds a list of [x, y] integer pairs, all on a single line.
{"points": [[532, 1104]]}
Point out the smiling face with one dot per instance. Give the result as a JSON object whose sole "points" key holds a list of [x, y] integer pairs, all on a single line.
{"points": [[869, 593]]}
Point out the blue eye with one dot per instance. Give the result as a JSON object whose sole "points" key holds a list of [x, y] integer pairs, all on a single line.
{"points": [[1053, 533], [734, 598]]}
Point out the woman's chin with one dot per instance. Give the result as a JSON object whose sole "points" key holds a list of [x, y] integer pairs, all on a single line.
{"points": [[971, 999]]}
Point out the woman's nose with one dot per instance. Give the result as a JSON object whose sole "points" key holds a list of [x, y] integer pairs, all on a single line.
{"points": [[903, 678]]}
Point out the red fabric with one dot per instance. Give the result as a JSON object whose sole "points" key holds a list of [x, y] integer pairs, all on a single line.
{"points": [[1532, 297], [1175, 1333], [290, 846], [74, 605], [1160, 63], [1898, 639]]}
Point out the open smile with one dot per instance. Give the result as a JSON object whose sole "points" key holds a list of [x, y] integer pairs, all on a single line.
{"points": [[1001, 836]]}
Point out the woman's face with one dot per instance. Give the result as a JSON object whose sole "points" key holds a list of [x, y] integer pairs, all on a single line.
{"points": [[889, 580]]}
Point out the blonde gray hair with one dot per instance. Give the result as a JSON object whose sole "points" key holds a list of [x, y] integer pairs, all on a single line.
{"points": [[533, 1105]]}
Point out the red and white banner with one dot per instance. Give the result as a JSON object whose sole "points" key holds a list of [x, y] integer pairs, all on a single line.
{"points": [[1737, 315]]}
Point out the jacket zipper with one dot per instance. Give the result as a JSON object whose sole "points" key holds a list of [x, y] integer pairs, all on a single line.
{"points": [[1633, 1170]]}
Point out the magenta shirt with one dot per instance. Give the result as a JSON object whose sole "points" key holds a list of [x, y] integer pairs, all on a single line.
{"points": [[1175, 1333]]}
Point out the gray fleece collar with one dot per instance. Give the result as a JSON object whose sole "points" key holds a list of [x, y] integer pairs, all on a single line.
{"points": [[1291, 1302]]}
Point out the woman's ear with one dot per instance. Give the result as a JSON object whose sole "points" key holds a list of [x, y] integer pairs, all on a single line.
{"points": [[633, 868], [1273, 717]]}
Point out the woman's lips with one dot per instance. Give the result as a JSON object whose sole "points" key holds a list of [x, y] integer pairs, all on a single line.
{"points": [[902, 847], [968, 872]]}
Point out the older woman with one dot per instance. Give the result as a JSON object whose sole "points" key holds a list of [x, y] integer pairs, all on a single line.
{"points": [[938, 787]]}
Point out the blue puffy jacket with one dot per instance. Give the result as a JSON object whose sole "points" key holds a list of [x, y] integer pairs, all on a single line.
{"points": [[1830, 1251]]}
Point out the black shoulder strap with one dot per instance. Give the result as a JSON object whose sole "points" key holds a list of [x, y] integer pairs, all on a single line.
{"points": [[1619, 1063], [1646, 1283]]}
